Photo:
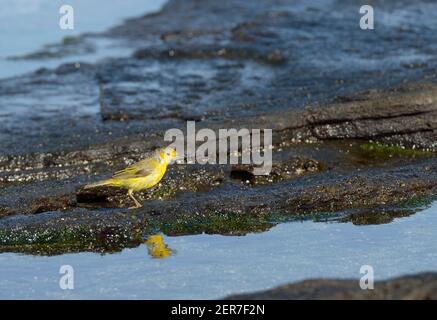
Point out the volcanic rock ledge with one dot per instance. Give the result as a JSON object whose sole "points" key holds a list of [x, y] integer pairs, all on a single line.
{"points": [[411, 287]]}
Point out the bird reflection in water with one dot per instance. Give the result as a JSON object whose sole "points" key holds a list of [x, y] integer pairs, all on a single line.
{"points": [[157, 248]]}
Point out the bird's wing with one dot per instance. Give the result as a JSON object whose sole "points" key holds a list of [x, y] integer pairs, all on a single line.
{"points": [[140, 169]]}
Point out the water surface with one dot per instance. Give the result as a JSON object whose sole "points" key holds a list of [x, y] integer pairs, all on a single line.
{"points": [[213, 266], [27, 25]]}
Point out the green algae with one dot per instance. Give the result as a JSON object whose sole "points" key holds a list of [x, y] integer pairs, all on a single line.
{"points": [[108, 239], [111, 239], [226, 224], [383, 150], [68, 239]]}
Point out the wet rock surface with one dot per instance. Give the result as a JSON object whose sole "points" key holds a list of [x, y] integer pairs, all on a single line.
{"points": [[353, 113], [411, 287], [204, 60]]}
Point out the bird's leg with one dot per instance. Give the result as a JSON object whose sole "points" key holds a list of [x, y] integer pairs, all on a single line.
{"points": [[137, 204]]}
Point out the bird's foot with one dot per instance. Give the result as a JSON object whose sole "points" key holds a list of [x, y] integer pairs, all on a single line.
{"points": [[137, 206]]}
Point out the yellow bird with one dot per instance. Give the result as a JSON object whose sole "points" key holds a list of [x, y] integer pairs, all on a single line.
{"points": [[141, 175]]}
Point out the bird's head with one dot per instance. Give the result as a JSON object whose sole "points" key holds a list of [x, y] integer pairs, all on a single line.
{"points": [[167, 154]]}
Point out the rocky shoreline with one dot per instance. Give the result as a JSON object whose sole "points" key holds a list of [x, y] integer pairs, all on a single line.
{"points": [[411, 287], [354, 137]]}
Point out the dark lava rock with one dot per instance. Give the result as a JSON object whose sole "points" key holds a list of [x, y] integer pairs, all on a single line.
{"points": [[201, 60], [411, 287]]}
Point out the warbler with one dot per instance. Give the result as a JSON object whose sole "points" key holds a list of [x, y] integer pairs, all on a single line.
{"points": [[141, 175]]}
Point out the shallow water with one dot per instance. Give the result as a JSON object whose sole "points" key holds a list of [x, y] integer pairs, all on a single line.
{"points": [[27, 25], [213, 266]]}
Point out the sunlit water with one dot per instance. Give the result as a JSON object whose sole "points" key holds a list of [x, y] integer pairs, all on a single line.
{"points": [[27, 25], [213, 266]]}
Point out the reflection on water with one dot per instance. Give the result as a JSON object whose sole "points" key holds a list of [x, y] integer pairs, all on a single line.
{"points": [[214, 266], [157, 248]]}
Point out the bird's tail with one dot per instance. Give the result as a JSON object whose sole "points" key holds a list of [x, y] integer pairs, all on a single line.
{"points": [[99, 184]]}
